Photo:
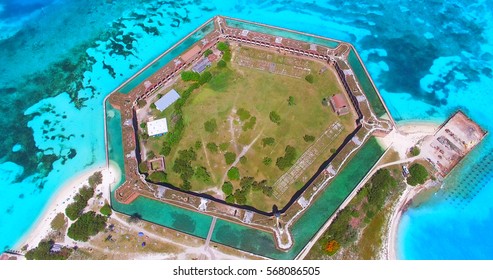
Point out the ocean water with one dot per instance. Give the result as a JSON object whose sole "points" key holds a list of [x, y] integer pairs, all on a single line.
{"points": [[61, 58]]}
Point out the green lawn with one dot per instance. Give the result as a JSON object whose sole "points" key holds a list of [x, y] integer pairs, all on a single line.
{"points": [[254, 94]]}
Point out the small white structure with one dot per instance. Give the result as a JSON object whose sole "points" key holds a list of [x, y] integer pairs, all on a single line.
{"points": [[167, 99], [157, 127]]}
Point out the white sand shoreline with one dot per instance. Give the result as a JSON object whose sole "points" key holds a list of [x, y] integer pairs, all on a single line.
{"points": [[61, 199]]}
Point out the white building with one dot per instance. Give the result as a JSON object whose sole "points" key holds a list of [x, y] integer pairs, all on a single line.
{"points": [[157, 127]]}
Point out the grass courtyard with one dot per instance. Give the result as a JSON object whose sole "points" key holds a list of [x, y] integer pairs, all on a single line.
{"points": [[250, 124]]}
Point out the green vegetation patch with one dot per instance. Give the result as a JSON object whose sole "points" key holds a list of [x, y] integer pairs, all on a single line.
{"points": [[417, 175], [43, 252], [229, 157], [158, 177], [234, 173], [74, 209], [59, 222], [89, 224], [288, 159], [106, 210]]}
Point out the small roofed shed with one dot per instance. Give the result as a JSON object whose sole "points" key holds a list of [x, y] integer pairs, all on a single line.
{"points": [[157, 127], [339, 104], [166, 100], [191, 53]]}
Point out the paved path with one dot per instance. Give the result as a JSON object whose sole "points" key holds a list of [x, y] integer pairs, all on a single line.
{"points": [[211, 230]]}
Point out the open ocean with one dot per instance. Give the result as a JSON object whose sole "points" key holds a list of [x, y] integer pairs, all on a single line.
{"points": [[61, 58]]}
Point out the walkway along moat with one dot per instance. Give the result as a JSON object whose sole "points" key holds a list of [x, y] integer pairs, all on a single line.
{"points": [[279, 235]]}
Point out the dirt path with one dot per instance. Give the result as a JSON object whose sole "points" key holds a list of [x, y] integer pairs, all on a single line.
{"points": [[242, 153]]}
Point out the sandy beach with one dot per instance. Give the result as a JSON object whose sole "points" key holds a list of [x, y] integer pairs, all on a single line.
{"points": [[60, 201]]}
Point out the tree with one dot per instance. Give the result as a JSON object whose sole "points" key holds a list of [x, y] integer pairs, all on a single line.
{"points": [[309, 138], [229, 157], [275, 118], [291, 101], [210, 125], [309, 78], [268, 141], [186, 186], [106, 210], [202, 174], [207, 52], [89, 224], [234, 173], [230, 199], [249, 124], [43, 252], [417, 175], [221, 63], [243, 114], [212, 147], [227, 55], [158, 177], [96, 179], [143, 167], [240, 197], [205, 77], [267, 161], [288, 159], [74, 209], [415, 151], [222, 46], [227, 188], [332, 247]]}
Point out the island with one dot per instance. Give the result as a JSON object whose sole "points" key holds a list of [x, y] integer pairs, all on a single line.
{"points": [[254, 141]]}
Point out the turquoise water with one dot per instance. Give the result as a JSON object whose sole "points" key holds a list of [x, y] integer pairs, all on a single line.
{"points": [[61, 58]]}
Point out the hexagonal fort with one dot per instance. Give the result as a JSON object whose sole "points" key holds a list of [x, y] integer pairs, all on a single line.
{"points": [[249, 123]]}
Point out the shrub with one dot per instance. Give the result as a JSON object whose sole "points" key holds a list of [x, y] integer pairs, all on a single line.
{"points": [[151, 155], [212, 147], [243, 159], [224, 146], [221, 63], [332, 247], [207, 52], [309, 78], [309, 138], [210, 125], [198, 145], [229, 157], [267, 161], [87, 225], [291, 101], [186, 186], [234, 173], [269, 141], [106, 210], [418, 174], [165, 150], [158, 177], [227, 188], [275, 118]]}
